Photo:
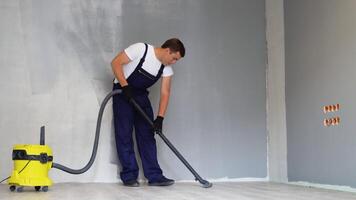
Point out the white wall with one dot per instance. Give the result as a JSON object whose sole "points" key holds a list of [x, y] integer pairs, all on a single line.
{"points": [[276, 110]]}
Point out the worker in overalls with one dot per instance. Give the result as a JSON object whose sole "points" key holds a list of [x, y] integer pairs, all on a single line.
{"points": [[137, 68]]}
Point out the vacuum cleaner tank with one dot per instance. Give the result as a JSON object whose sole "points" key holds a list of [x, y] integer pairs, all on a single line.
{"points": [[31, 165]]}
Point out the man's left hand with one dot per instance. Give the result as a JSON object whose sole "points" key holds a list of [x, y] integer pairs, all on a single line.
{"points": [[157, 124]]}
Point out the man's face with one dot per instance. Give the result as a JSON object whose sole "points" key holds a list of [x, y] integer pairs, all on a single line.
{"points": [[170, 57]]}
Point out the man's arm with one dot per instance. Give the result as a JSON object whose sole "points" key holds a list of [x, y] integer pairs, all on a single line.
{"points": [[165, 93], [117, 67]]}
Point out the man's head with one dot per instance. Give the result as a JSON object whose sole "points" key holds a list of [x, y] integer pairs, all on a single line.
{"points": [[173, 51]]}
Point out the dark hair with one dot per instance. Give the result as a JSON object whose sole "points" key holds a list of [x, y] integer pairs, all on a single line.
{"points": [[175, 45]]}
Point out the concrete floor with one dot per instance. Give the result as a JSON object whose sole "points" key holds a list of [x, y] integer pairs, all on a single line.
{"points": [[179, 191]]}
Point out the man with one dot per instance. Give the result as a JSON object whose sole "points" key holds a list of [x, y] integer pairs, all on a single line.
{"points": [[137, 68]]}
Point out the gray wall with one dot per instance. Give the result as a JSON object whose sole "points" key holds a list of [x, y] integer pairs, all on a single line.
{"points": [[55, 70], [320, 70]]}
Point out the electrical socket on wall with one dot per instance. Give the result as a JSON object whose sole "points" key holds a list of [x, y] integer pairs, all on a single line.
{"points": [[333, 121], [331, 108]]}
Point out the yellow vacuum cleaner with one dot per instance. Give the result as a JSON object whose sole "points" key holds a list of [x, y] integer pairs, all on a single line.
{"points": [[31, 166]]}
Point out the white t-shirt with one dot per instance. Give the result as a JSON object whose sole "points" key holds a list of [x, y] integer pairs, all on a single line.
{"points": [[151, 64]]}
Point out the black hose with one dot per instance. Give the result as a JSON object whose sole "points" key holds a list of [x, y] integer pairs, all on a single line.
{"points": [[204, 183], [96, 140]]}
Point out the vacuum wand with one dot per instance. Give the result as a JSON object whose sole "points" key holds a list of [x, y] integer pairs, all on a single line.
{"points": [[204, 183]]}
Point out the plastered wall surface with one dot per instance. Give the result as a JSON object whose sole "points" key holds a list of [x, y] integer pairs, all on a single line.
{"points": [[320, 70], [55, 70], [275, 84]]}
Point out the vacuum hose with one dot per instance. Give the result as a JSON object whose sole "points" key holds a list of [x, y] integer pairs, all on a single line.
{"points": [[202, 181], [96, 141]]}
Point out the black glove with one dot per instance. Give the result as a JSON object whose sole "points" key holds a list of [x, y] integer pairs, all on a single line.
{"points": [[126, 90], [157, 124]]}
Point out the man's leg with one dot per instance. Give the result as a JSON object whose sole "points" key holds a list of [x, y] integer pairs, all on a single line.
{"points": [[123, 122], [146, 142]]}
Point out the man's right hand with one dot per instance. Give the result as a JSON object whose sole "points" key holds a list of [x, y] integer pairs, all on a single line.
{"points": [[126, 90]]}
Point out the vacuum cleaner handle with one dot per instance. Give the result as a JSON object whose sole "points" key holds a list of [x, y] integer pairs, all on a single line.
{"points": [[42, 135], [204, 183]]}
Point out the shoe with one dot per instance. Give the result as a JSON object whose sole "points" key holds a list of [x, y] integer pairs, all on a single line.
{"points": [[161, 182], [131, 183]]}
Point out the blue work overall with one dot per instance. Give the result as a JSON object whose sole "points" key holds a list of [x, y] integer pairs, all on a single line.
{"points": [[126, 117]]}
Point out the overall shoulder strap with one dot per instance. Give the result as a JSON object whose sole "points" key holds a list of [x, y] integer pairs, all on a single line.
{"points": [[144, 56], [160, 71]]}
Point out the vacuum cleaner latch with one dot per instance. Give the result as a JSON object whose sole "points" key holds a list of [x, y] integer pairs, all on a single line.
{"points": [[43, 158]]}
